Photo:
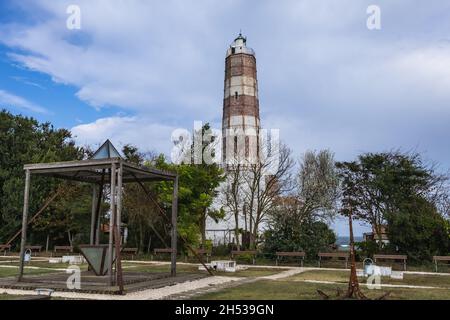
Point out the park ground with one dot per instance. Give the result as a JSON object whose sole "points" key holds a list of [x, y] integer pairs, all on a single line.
{"points": [[260, 282]]}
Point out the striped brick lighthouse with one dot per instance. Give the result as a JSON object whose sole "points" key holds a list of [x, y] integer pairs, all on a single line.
{"points": [[240, 121]]}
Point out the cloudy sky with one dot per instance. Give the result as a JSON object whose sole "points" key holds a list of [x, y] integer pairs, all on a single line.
{"points": [[136, 70]]}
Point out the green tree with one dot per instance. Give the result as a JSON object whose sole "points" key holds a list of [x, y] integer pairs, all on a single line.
{"points": [[418, 230], [24, 140], [198, 188], [145, 224], [67, 220], [290, 231], [385, 188]]}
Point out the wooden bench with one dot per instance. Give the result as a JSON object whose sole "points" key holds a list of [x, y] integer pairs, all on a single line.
{"points": [[334, 255], [129, 252], [5, 248], [34, 249], [436, 259], [393, 257], [61, 250], [245, 252], [205, 252], [159, 251], [299, 254]]}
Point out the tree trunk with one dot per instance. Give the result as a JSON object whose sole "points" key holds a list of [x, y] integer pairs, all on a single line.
{"points": [[236, 229], [377, 228], [203, 228], [244, 211], [251, 230], [47, 242], [70, 238], [254, 235], [141, 238], [149, 243], [353, 284]]}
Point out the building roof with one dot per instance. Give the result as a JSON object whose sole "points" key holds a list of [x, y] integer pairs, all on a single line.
{"points": [[240, 37], [106, 151]]}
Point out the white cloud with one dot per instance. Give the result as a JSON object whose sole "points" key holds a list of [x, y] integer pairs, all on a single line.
{"points": [[141, 132], [140, 56], [10, 100], [427, 68]]}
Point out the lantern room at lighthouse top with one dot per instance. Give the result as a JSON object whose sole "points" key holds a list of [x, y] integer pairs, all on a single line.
{"points": [[239, 45]]}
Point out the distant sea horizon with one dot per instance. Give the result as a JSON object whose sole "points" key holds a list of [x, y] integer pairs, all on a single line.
{"points": [[345, 240]]}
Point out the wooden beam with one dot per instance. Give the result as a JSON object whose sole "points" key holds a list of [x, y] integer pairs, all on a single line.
{"points": [[26, 199], [98, 208], [173, 267], [42, 209], [119, 198], [111, 223], [95, 195], [140, 169], [71, 164], [117, 236]]}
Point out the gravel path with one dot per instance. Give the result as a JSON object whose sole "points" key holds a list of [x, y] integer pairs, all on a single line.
{"points": [[284, 274]]}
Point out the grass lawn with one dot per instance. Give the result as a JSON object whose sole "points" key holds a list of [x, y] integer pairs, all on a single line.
{"points": [[250, 272], [11, 272], [12, 268], [158, 268], [342, 276], [182, 268], [5, 296], [291, 290]]}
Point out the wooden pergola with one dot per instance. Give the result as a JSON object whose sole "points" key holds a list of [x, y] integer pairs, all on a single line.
{"points": [[105, 167]]}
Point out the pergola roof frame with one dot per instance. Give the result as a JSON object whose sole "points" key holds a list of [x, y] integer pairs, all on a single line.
{"points": [[87, 170], [114, 171]]}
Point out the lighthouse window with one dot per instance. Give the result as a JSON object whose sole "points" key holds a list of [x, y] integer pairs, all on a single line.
{"points": [[233, 50], [236, 94]]}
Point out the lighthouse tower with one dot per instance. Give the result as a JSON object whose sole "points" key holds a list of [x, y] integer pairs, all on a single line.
{"points": [[240, 121]]}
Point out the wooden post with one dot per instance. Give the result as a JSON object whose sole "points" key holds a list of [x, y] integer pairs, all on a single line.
{"points": [[26, 199], [98, 215], [93, 214], [118, 237], [119, 201], [111, 223], [173, 268], [98, 208]]}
